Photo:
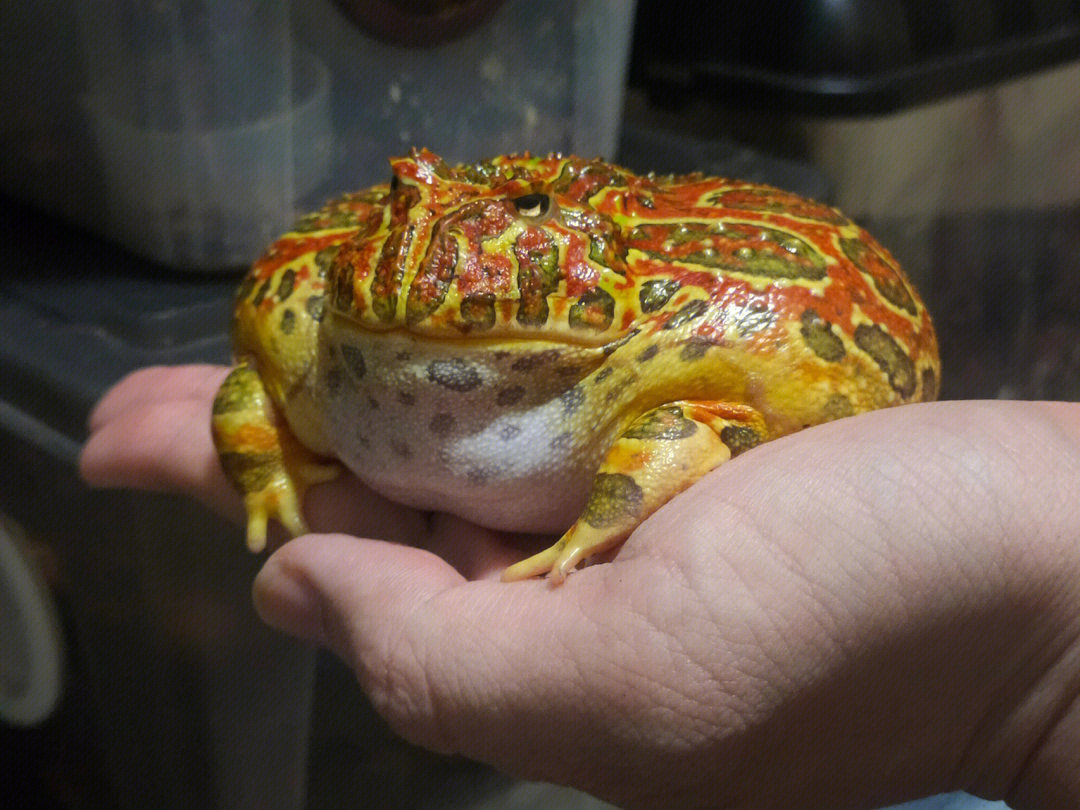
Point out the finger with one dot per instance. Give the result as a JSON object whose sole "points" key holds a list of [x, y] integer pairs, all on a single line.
{"points": [[163, 446], [157, 384], [436, 654], [473, 551]]}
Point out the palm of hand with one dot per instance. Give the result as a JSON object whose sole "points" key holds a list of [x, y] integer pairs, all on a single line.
{"points": [[771, 633]]}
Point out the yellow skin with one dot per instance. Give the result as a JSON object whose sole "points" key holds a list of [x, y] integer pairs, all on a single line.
{"points": [[529, 339]]}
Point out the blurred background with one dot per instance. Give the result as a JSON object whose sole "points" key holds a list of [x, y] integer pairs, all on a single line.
{"points": [[149, 151]]}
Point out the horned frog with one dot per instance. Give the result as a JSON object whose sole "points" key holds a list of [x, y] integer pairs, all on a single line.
{"points": [[530, 339]]}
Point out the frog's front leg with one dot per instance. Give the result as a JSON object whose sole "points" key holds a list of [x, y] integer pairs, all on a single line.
{"points": [[261, 457], [661, 453]]}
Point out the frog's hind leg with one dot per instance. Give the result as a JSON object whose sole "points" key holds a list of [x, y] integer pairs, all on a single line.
{"points": [[660, 454], [261, 457]]}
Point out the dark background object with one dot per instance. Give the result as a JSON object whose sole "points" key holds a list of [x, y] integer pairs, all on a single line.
{"points": [[857, 57], [419, 23]]}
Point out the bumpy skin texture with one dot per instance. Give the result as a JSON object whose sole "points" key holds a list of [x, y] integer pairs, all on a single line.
{"points": [[530, 339]]}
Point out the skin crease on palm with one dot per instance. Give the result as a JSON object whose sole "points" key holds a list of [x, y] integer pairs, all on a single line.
{"points": [[869, 611]]}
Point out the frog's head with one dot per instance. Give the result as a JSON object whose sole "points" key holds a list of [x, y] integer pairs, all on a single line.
{"points": [[514, 246]]}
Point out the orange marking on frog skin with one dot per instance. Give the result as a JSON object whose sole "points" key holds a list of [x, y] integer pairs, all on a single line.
{"points": [[288, 248], [256, 438], [626, 460]]}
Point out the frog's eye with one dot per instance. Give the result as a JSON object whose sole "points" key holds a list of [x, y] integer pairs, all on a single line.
{"points": [[532, 205], [395, 183]]}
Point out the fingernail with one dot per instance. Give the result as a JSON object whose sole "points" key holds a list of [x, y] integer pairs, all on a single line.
{"points": [[285, 600]]}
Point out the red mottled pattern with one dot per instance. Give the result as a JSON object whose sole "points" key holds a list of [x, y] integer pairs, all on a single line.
{"points": [[452, 251]]}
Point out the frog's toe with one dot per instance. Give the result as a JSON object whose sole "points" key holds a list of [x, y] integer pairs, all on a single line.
{"points": [[660, 454], [281, 495], [261, 457], [534, 566], [578, 544]]}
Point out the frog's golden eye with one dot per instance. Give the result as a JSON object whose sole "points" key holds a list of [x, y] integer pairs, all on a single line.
{"points": [[532, 205]]}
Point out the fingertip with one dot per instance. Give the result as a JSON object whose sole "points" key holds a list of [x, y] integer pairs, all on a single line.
{"points": [[285, 600], [344, 592]]}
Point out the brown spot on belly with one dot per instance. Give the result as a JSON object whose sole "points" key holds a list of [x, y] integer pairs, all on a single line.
{"points": [[441, 424], [572, 399], [454, 374], [354, 360], [509, 396], [531, 361]]}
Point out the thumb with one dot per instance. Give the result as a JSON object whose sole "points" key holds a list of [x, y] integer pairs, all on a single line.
{"points": [[343, 592], [430, 648]]}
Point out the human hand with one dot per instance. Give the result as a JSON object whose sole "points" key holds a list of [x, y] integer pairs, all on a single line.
{"points": [[865, 612]]}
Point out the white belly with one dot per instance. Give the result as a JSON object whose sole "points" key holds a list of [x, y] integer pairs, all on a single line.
{"points": [[501, 434]]}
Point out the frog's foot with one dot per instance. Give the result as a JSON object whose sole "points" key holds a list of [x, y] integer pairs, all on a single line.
{"points": [[261, 457], [661, 453]]}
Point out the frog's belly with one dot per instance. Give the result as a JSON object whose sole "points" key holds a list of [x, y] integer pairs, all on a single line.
{"points": [[460, 431]]}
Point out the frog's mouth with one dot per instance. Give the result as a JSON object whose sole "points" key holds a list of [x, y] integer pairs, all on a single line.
{"points": [[516, 339]]}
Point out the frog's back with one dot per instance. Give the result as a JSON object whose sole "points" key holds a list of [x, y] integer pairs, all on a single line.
{"points": [[585, 253], [466, 337]]}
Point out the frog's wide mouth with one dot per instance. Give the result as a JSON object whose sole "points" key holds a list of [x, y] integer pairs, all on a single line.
{"points": [[518, 340]]}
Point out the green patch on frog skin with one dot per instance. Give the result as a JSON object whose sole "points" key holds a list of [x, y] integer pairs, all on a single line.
{"points": [[325, 258], [478, 311], [655, 293], [251, 472], [739, 438], [614, 498], [820, 338], [429, 288], [593, 310], [837, 406], [386, 280], [776, 254], [315, 306], [235, 393], [538, 276], [891, 288], [929, 385], [666, 423], [288, 321], [889, 356], [286, 285], [688, 312]]}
